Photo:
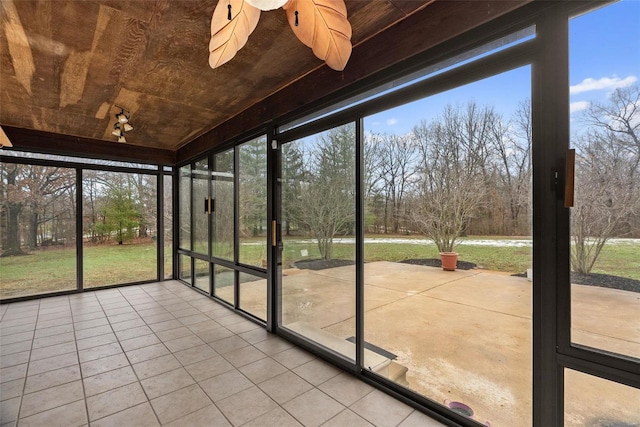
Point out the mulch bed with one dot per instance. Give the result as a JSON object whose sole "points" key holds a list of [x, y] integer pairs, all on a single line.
{"points": [[435, 262], [593, 279]]}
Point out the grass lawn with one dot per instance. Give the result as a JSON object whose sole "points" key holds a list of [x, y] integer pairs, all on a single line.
{"points": [[55, 269]]}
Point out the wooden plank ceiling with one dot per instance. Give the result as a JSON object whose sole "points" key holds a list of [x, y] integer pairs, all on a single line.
{"points": [[66, 67]]}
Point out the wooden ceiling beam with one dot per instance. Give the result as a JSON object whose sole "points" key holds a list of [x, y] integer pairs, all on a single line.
{"points": [[422, 30], [65, 145]]}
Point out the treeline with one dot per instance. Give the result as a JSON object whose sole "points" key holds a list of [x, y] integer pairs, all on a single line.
{"points": [[467, 171]]}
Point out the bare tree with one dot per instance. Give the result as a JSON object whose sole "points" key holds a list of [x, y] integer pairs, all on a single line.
{"points": [[454, 152], [512, 144], [326, 204], [397, 156]]}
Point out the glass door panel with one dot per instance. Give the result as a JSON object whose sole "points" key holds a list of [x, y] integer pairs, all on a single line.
{"points": [[318, 228], [224, 283], [37, 229], [121, 226], [184, 262], [168, 226], [185, 207], [450, 175], [605, 218], [593, 401], [200, 200], [253, 295], [223, 206], [252, 204], [202, 277]]}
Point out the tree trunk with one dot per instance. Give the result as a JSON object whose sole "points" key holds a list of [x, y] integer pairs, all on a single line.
{"points": [[33, 231]]}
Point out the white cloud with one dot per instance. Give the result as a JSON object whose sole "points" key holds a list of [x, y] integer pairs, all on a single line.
{"points": [[391, 122], [614, 82], [574, 107]]}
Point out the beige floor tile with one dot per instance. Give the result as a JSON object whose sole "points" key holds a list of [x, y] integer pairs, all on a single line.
{"points": [[115, 400], [82, 317], [53, 340], [96, 341], [52, 363], [195, 354], [273, 345], [70, 415], [207, 416], [14, 359], [262, 370], [166, 383], [53, 350], [228, 344], [51, 398], [208, 368], [139, 342], [229, 318], [166, 325], [11, 389], [16, 347], [89, 324], [244, 356], [174, 333], [13, 338], [56, 330], [99, 352], [139, 416], [93, 332], [293, 357], [381, 409], [214, 335], [184, 313], [193, 319], [317, 371], [117, 318], [42, 323], [285, 387], [225, 385], [347, 418], [7, 331], [105, 364], [52, 378], [313, 408], [156, 366], [9, 410], [184, 343], [13, 372], [179, 403], [346, 389], [128, 324], [246, 405], [157, 318], [255, 335], [135, 332], [203, 326], [244, 326], [109, 380], [276, 417], [18, 322], [147, 353], [418, 419]]}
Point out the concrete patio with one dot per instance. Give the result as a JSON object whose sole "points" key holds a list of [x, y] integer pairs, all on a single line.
{"points": [[466, 335]]}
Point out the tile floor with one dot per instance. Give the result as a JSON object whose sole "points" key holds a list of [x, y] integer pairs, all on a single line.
{"points": [[162, 354]]}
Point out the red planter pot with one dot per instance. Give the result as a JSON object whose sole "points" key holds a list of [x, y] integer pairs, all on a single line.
{"points": [[449, 260]]}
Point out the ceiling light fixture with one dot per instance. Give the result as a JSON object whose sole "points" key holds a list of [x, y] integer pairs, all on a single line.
{"points": [[122, 124], [321, 25], [4, 139]]}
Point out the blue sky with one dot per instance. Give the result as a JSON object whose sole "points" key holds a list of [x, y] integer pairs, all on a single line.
{"points": [[604, 55]]}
